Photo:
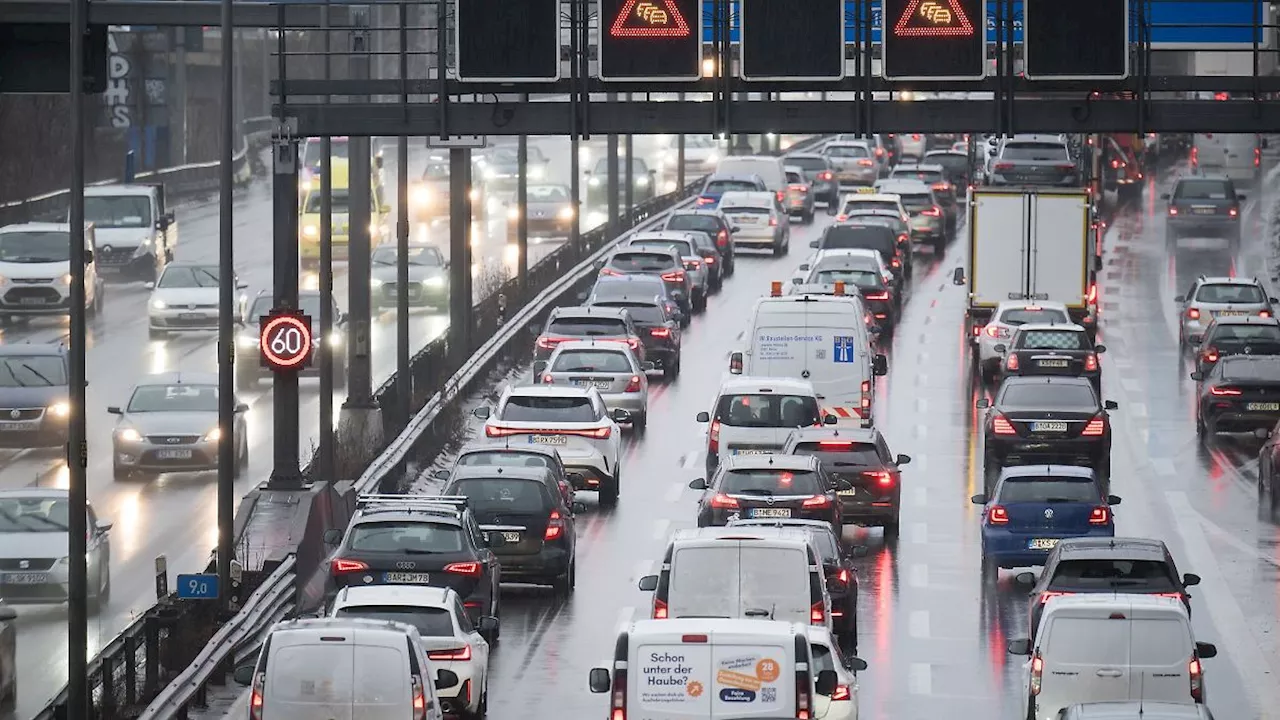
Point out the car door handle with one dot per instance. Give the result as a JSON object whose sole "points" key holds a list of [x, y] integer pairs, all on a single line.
{"points": [[1109, 673]]}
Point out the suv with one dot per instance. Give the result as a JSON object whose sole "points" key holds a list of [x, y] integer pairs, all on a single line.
{"points": [[944, 191], [1241, 335], [652, 315], [1241, 393], [666, 264], [595, 323], [861, 457], [34, 395], [769, 487], [820, 174], [718, 184], [1033, 160], [1209, 298], [713, 223], [1203, 204], [928, 220], [500, 453]]}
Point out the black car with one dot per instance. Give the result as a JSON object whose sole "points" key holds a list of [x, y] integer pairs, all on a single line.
{"points": [[525, 507], [249, 369], [500, 453], [1237, 335], [1049, 420], [711, 256], [769, 486], [820, 175], [1240, 394], [659, 330], [713, 223], [1047, 349], [583, 323], [34, 395], [664, 264], [1203, 205], [1269, 470], [861, 457], [881, 298], [1135, 566], [418, 540], [644, 181], [956, 165], [854, 235]]}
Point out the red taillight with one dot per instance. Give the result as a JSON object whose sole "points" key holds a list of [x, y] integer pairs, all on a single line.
{"points": [[709, 260], [462, 653], [256, 699], [659, 609], [773, 222], [825, 175], [722, 238], [633, 343], [1115, 164], [977, 330], [780, 195], [677, 276], [339, 566], [817, 613], [817, 501], [883, 478], [995, 331], [934, 211], [470, 569], [1211, 355], [798, 188], [1004, 166], [549, 343], [1264, 313], [1096, 427], [1000, 425], [896, 262], [720, 501], [1037, 670], [548, 379], [844, 576], [705, 200], [1233, 212], [1196, 675], [879, 152], [1050, 594], [942, 186], [998, 515], [841, 218], [1193, 313], [1221, 391], [660, 332], [866, 163], [610, 272], [903, 239], [877, 296], [619, 699], [1100, 515], [555, 526], [419, 698], [1090, 362], [713, 437], [1012, 362], [1092, 297], [841, 693], [633, 385]]}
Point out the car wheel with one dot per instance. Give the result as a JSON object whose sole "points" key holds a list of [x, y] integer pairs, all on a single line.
{"points": [[778, 248], [483, 708], [891, 529], [563, 584], [640, 421], [990, 473], [120, 473], [609, 493]]}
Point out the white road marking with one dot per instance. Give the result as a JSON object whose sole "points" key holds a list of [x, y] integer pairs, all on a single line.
{"points": [[691, 458], [919, 623], [675, 491], [922, 405], [1163, 466], [920, 462], [920, 679], [920, 533], [921, 432], [918, 576], [660, 527], [920, 496]]}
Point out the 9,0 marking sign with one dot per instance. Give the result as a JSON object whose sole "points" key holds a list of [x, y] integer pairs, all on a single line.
{"points": [[285, 339], [198, 587]]}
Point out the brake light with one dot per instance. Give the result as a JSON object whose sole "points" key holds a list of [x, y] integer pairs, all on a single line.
{"points": [[659, 609], [462, 653], [895, 262], [773, 222], [780, 195], [1264, 313], [256, 700], [877, 296], [548, 379], [633, 343], [817, 501], [709, 260], [977, 330], [883, 478], [555, 526], [1012, 362], [633, 385], [1233, 212], [1001, 426], [704, 200], [841, 693], [798, 187], [866, 163], [1037, 670], [1211, 355], [1221, 391], [998, 515], [419, 698], [843, 576], [934, 211], [817, 614], [720, 501], [1092, 297], [661, 332], [677, 276], [340, 566], [610, 271], [549, 343], [692, 264], [470, 569], [943, 186], [1096, 427], [1090, 362], [1173, 210], [825, 175], [1115, 164], [619, 699], [835, 445], [722, 238], [713, 437], [803, 701], [1193, 313], [1004, 166], [1196, 676], [1100, 515], [995, 331]]}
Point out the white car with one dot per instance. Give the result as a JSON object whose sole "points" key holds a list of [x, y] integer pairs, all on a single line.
{"points": [[871, 200], [827, 655], [759, 218], [35, 270], [447, 634], [1008, 316], [755, 415], [185, 297], [34, 567], [573, 420], [807, 271]]}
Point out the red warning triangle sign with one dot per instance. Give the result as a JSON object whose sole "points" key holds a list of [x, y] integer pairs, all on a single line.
{"points": [[933, 18], [650, 18]]}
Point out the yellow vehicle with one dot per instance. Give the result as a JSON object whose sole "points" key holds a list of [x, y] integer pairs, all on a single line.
{"points": [[309, 219]]}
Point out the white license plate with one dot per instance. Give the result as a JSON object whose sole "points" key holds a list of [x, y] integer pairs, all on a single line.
{"points": [[597, 384], [1264, 407], [748, 451], [548, 440], [404, 577], [173, 454], [1042, 544], [747, 220], [19, 427], [1048, 426], [771, 512], [33, 301], [1053, 363], [25, 578], [1205, 211], [511, 537], [191, 316], [1230, 313]]}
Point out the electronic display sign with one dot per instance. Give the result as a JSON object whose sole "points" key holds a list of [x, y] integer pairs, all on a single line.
{"points": [[1077, 40], [786, 40], [508, 41], [650, 40], [934, 40]]}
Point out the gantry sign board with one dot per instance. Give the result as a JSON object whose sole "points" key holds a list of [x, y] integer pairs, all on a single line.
{"points": [[1077, 40], [934, 40], [508, 40], [650, 40], [792, 41]]}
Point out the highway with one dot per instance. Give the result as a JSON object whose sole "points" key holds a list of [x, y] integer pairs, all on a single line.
{"points": [[932, 632], [174, 515]]}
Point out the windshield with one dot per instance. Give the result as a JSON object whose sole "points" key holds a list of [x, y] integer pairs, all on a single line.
{"points": [[846, 237], [1048, 490], [174, 398], [1052, 340], [807, 164], [549, 409], [34, 514], [638, 166], [405, 537], [436, 171], [587, 326], [767, 410], [862, 278], [337, 207], [641, 313], [719, 187], [314, 154], [837, 453], [847, 151], [548, 194], [121, 211], [1108, 573], [430, 621], [309, 304], [643, 262], [186, 276], [418, 256], [1023, 316], [1039, 396], [32, 371], [1035, 151], [769, 482], [502, 495], [601, 361], [35, 246], [1203, 190], [1230, 293]]}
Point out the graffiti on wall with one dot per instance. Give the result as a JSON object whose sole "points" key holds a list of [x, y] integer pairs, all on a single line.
{"points": [[119, 83]]}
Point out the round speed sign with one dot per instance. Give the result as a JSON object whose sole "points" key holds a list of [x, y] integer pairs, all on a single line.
{"points": [[285, 340]]}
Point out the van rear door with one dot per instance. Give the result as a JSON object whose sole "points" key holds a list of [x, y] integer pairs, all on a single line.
{"points": [[1160, 657], [311, 677], [671, 677], [704, 581], [1086, 659], [753, 677]]}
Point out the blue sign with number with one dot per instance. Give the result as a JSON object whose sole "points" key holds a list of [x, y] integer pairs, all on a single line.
{"points": [[845, 349], [198, 587]]}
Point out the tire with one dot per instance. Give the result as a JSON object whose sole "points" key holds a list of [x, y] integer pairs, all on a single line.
{"points": [[700, 303], [564, 583], [120, 474], [891, 529], [483, 708], [640, 422], [807, 218], [990, 473], [609, 494], [777, 249]]}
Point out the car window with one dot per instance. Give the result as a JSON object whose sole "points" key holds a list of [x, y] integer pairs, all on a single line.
{"points": [[602, 361], [683, 247], [854, 205], [822, 657], [724, 186], [1117, 573], [1025, 316], [418, 256], [547, 193], [187, 276], [587, 326], [825, 543], [835, 454], [776, 580], [174, 398], [371, 681], [436, 171], [846, 151], [505, 458], [1081, 641], [807, 163], [767, 410], [309, 304], [698, 581], [1242, 334], [916, 201], [746, 210], [852, 237], [1047, 490], [1052, 340], [123, 211], [400, 536], [339, 206], [642, 313], [1245, 369], [794, 177], [867, 279], [642, 262], [1230, 293], [1203, 190], [314, 151], [894, 222], [1038, 396], [498, 495], [32, 371], [956, 164], [430, 621], [1160, 642], [549, 408], [769, 481], [1033, 151], [705, 223], [930, 176]]}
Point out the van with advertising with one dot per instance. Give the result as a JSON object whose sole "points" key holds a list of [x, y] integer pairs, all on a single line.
{"points": [[826, 340], [709, 668]]}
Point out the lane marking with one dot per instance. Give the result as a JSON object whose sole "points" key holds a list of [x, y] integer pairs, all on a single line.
{"points": [[919, 624], [921, 432], [660, 527], [920, 679], [690, 459], [919, 533], [918, 576], [625, 616], [1130, 385], [674, 493], [921, 405]]}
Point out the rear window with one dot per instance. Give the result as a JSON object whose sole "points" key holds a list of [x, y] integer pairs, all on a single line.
{"points": [[1203, 190], [929, 176], [825, 543], [639, 312], [680, 246], [767, 577], [847, 151], [894, 222], [916, 201], [855, 205], [1085, 641], [1048, 490], [845, 237], [952, 163], [499, 495], [768, 482], [861, 278], [405, 536], [587, 326], [706, 223], [700, 580], [642, 262], [1159, 642], [1230, 293], [807, 163], [794, 177], [1040, 396], [1047, 152], [604, 361], [1251, 369], [767, 410], [776, 580], [1052, 340], [430, 621], [505, 458], [1113, 573], [1024, 316], [834, 454], [1242, 334], [719, 187], [548, 408]]}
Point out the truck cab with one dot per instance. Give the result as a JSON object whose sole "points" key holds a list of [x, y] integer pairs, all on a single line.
{"points": [[135, 232]]}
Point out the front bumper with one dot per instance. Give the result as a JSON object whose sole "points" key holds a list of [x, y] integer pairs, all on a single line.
{"points": [[122, 264], [1011, 548], [420, 295], [179, 318], [36, 299], [543, 566], [44, 582], [148, 456], [44, 430], [1066, 451]]}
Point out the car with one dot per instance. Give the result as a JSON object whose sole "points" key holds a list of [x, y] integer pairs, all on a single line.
{"points": [[35, 271], [819, 173], [760, 220], [884, 148], [1051, 349], [429, 196], [768, 486], [185, 297], [683, 243], [248, 365], [956, 165], [800, 196], [134, 230], [944, 191], [853, 162], [709, 221], [499, 167], [862, 272], [884, 217], [827, 653], [712, 258], [644, 181], [851, 258], [1046, 420], [1203, 205], [755, 415], [447, 635], [170, 424], [912, 147], [928, 220], [34, 395], [8, 656], [573, 420], [869, 199], [565, 324], [524, 506], [550, 209], [1129, 565], [1135, 710], [1033, 160], [34, 541], [428, 277], [652, 314], [847, 235], [417, 540], [1007, 317], [610, 367], [666, 264], [1034, 507], [1209, 298], [1241, 393], [501, 453], [1237, 335], [701, 154], [860, 456], [717, 184]]}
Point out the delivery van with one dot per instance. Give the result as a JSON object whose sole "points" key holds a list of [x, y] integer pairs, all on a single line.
{"points": [[825, 340], [709, 668]]}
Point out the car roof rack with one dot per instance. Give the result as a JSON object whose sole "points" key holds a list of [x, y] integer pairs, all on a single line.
{"points": [[439, 503]]}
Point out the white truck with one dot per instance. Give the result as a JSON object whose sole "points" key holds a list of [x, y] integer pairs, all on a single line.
{"points": [[1030, 244], [136, 233]]}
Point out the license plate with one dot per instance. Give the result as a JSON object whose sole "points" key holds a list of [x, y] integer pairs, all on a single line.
{"points": [[19, 427], [1265, 407], [747, 220], [191, 316], [1230, 313], [32, 301], [771, 512], [1205, 211], [405, 577], [749, 451], [548, 440], [511, 537], [25, 578], [597, 384], [173, 454], [1052, 363], [1048, 426], [1042, 544]]}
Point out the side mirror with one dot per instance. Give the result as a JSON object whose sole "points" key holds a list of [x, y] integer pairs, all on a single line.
{"points": [[826, 682], [114, 410], [1206, 650], [332, 536], [481, 413], [844, 485], [1001, 348], [578, 507], [1179, 298], [957, 276], [342, 318], [1113, 499], [698, 484], [648, 366], [648, 583], [1110, 405], [1242, 196], [1097, 263], [534, 330], [1025, 578], [735, 365], [440, 474], [804, 267], [1099, 349], [830, 419], [979, 499], [1021, 646], [880, 365], [88, 257], [242, 286], [734, 229], [1164, 196], [797, 281], [445, 679], [902, 459], [813, 243], [488, 624], [982, 404], [105, 527], [620, 415], [1189, 579], [598, 680], [1273, 300], [703, 417], [1197, 375], [855, 664], [149, 285], [243, 675], [242, 407]]}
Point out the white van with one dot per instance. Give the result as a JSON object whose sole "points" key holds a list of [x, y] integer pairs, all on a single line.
{"points": [[1235, 155], [344, 669], [769, 168], [755, 416], [1102, 647], [710, 668], [825, 340]]}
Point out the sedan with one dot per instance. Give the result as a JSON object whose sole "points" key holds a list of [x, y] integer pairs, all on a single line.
{"points": [[1238, 335], [769, 486], [1040, 349], [428, 277], [609, 367], [550, 210], [34, 542], [1240, 393], [171, 425], [185, 297]]}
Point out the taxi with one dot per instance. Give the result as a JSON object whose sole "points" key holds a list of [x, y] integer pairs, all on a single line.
{"points": [[309, 218]]}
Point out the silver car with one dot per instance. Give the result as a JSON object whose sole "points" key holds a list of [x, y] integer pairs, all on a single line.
{"points": [[1211, 297], [854, 162], [428, 277], [34, 546], [610, 367], [185, 297], [1008, 316], [695, 266], [171, 425]]}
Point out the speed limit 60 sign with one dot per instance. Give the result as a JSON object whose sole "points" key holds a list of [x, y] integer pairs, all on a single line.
{"points": [[284, 336]]}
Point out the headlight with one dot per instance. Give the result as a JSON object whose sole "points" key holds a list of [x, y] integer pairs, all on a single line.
{"points": [[489, 173], [3, 280], [60, 409], [474, 195], [213, 435], [712, 158], [335, 339], [247, 341], [129, 435], [66, 279], [594, 182], [642, 182], [566, 213], [158, 304], [437, 281], [143, 247], [311, 231], [374, 230], [421, 196], [537, 173], [376, 282], [513, 213]]}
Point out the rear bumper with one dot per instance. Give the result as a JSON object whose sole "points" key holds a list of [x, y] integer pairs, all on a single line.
{"points": [[541, 567], [1009, 548], [1067, 451], [874, 511], [631, 402], [1232, 420], [1211, 224]]}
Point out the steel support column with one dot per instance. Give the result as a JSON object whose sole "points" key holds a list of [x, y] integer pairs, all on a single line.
{"points": [[359, 246], [680, 178], [325, 452], [404, 377], [522, 211], [460, 301], [575, 191], [286, 472], [629, 175], [227, 456], [611, 189]]}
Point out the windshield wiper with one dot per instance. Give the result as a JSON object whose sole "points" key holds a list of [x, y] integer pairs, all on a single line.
{"points": [[384, 262], [14, 375], [35, 372], [207, 274]]}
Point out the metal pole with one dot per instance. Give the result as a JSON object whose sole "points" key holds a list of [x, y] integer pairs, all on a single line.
{"points": [[178, 128], [522, 211], [360, 197], [226, 317], [404, 378], [77, 449], [680, 178], [325, 282], [629, 176], [611, 182], [460, 301], [575, 192], [285, 472]]}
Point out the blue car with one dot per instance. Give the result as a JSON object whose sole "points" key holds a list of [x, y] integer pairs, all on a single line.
{"points": [[1035, 506], [718, 184]]}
